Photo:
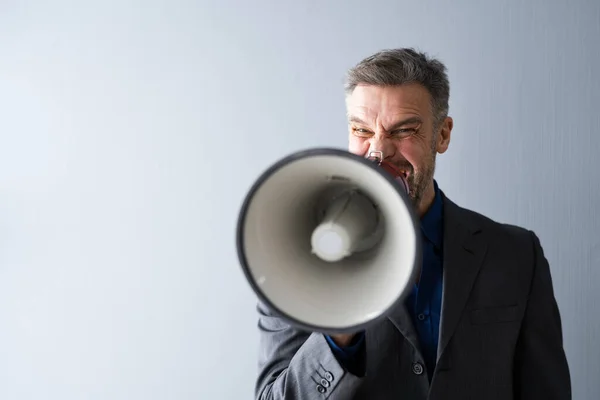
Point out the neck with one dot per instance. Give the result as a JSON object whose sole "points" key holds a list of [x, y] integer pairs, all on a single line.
{"points": [[426, 200]]}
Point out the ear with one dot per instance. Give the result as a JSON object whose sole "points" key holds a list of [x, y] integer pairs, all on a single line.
{"points": [[443, 137]]}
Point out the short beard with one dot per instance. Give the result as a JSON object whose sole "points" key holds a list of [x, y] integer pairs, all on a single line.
{"points": [[419, 182]]}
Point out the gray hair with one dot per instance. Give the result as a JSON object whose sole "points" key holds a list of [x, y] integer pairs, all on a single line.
{"points": [[395, 67]]}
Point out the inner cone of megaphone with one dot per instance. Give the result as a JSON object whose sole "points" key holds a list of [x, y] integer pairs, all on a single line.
{"points": [[349, 220]]}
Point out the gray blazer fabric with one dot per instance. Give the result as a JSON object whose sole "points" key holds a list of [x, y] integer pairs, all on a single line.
{"points": [[500, 333]]}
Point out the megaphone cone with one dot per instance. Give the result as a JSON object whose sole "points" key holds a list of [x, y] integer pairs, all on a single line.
{"points": [[329, 240]]}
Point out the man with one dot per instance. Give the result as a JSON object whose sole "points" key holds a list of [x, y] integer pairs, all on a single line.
{"points": [[482, 321]]}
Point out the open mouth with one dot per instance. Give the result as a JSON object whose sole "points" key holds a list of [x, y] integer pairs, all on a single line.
{"points": [[396, 171], [405, 173]]}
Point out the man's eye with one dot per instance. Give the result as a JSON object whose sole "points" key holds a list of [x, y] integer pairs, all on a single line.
{"points": [[404, 132], [360, 131]]}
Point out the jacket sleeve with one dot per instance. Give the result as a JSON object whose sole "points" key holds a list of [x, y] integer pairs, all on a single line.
{"points": [[351, 357], [298, 365], [541, 370]]}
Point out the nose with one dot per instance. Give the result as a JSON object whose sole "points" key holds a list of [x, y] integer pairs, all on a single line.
{"points": [[382, 147]]}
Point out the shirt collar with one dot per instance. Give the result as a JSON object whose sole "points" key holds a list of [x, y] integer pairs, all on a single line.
{"points": [[431, 222]]}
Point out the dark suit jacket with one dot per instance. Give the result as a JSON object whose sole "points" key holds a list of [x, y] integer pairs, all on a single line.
{"points": [[500, 334]]}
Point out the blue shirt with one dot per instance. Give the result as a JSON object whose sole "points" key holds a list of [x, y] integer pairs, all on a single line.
{"points": [[425, 300]]}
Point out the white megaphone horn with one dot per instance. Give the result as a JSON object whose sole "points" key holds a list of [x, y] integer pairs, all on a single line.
{"points": [[329, 240]]}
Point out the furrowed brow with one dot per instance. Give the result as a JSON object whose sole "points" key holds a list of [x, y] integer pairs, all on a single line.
{"points": [[356, 120], [408, 121]]}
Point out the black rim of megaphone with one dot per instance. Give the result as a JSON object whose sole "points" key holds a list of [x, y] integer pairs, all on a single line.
{"points": [[241, 228]]}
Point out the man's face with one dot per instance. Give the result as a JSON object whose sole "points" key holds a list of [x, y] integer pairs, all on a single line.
{"points": [[399, 122]]}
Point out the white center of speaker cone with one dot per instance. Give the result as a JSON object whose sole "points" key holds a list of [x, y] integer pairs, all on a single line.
{"points": [[329, 244]]}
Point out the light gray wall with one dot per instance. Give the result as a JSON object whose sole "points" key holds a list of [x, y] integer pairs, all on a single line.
{"points": [[130, 132]]}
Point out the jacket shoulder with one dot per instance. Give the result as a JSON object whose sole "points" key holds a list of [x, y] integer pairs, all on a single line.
{"points": [[488, 223], [502, 233]]}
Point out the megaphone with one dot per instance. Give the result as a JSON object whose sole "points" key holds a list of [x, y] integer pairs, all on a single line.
{"points": [[328, 240]]}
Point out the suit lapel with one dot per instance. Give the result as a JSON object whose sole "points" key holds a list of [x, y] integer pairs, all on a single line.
{"points": [[401, 319], [463, 254]]}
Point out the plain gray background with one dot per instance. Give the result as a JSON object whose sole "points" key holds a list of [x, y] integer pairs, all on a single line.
{"points": [[131, 130]]}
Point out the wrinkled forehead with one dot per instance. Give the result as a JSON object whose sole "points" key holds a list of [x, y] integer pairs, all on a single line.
{"points": [[388, 103]]}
